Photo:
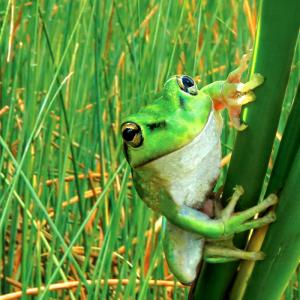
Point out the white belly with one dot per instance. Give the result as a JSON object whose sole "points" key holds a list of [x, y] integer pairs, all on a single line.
{"points": [[190, 172]]}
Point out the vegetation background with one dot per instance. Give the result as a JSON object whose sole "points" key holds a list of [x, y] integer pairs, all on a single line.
{"points": [[70, 219]]}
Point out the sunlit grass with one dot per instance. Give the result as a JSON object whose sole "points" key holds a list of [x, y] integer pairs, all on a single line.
{"points": [[71, 223]]}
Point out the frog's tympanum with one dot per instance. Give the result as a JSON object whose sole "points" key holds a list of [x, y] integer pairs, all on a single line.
{"points": [[174, 150]]}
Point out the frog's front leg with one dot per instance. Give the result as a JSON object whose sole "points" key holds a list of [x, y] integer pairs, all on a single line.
{"points": [[195, 221], [232, 93]]}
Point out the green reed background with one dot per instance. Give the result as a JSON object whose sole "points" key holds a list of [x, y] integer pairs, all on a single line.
{"points": [[69, 71]]}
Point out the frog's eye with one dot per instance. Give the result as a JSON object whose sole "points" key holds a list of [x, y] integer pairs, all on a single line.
{"points": [[132, 134], [187, 84]]}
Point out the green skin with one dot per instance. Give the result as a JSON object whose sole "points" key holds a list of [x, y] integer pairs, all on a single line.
{"points": [[171, 123]]}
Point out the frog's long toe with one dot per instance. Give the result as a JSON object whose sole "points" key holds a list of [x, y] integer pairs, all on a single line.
{"points": [[229, 209]]}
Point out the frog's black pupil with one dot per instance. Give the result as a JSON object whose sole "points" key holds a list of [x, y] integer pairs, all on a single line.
{"points": [[187, 81], [128, 134]]}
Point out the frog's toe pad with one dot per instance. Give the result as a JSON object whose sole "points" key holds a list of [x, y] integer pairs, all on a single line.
{"points": [[258, 255], [238, 190], [257, 78], [255, 81], [242, 127], [273, 199]]}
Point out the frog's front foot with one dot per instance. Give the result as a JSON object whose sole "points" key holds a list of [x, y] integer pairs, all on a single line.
{"points": [[244, 95], [241, 221], [236, 93]]}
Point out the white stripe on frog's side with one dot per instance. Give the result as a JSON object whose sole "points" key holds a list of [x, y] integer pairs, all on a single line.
{"points": [[190, 172]]}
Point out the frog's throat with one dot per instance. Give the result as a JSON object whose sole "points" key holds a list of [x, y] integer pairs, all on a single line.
{"points": [[190, 172]]}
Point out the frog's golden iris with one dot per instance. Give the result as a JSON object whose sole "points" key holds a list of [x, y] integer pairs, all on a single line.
{"points": [[132, 134]]}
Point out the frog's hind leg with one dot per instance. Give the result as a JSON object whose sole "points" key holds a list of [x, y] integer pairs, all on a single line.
{"points": [[222, 254], [183, 252]]}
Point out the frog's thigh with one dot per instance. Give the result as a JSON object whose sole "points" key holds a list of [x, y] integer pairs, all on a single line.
{"points": [[221, 254], [183, 252]]}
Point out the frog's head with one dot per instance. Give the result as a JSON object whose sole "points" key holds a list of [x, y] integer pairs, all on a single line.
{"points": [[171, 122]]}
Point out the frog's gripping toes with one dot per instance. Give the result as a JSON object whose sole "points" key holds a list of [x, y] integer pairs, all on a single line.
{"points": [[239, 222], [223, 250], [234, 93]]}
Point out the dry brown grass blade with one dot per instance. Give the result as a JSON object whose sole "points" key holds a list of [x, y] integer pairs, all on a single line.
{"points": [[74, 284]]}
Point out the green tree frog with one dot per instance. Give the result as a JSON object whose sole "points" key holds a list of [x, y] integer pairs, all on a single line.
{"points": [[174, 150]]}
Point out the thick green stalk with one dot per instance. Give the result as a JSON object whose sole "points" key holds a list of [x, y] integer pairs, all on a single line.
{"points": [[287, 152], [276, 37], [282, 244]]}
